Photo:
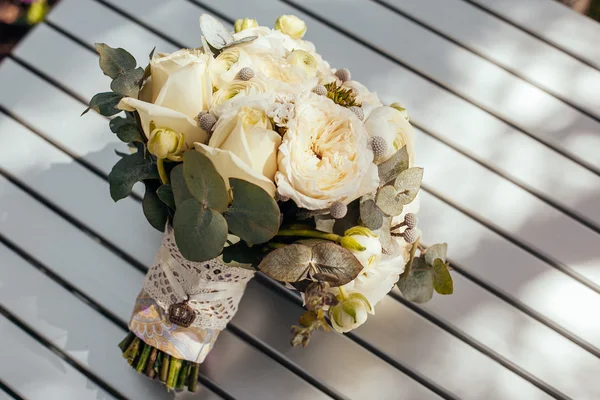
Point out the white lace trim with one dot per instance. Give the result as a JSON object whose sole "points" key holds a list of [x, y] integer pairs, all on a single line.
{"points": [[214, 288]]}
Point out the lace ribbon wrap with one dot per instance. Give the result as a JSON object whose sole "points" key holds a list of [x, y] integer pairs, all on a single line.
{"points": [[212, 288]]}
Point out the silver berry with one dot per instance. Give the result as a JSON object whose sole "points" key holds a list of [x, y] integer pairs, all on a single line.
{"points": [[410, 220], [321, 90], [200, 114], [246, 74], [379, 146], [343, 74], [338, 210], [358, 111], [410, 235], [207, 122]]}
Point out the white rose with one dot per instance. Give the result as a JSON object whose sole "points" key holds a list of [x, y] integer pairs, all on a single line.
{"points": [[368, 100], [291, 25], [243, 145], [392, 126], [324, 156], [181, 88], [235, 93], [351, 312]]}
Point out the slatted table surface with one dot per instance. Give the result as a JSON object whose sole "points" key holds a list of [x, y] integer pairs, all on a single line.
{"points": [[505, 99]]}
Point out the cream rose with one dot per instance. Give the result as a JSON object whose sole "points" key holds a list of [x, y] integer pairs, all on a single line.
{"points": [[392, 126], [181, 88], [243, 145], [324, 156], [291, 26]]}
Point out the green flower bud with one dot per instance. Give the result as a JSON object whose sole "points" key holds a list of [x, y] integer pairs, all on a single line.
{"points": [[291, 25], [245, 23], [165, 143]]}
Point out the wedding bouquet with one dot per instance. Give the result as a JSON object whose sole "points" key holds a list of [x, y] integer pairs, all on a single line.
{"points": [[256, 155]]}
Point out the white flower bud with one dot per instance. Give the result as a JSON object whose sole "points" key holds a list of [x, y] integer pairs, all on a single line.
{"points": [[245, 23], [369, 242], [400, 108], [291, 25], [350, 312]]}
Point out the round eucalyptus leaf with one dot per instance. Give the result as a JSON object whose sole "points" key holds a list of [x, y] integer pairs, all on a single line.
{"points": [[408, 184], [370, 215], [332, 259], [200, 233], [287, 264], [436, 251], [253, 215], [204, 182], [241, 41], [215, 32], [178, 185], [442, 280], [389, 201], [390, 169], [417, 285], [154, 209]]}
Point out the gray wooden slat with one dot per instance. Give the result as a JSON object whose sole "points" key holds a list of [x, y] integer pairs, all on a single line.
{"points": [[35, 372], [488, 200], [531, 59], [394, 379], [572, 32]]}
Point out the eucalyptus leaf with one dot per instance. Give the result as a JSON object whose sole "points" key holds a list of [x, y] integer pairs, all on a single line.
{"points": [[417, 285], [436, 251], [296, 262], [370, 215], [200, 233], [165, 194], [411, 257], [215, 33], [253, 214], [178, 185], [240, 41], [128, 83], [389, 202], [114, 62], [408, 184], [155, 210], [391, 168], [442, 280], [204, 182], [104, 103], [126, 129], [127, 171], [385, 237]]}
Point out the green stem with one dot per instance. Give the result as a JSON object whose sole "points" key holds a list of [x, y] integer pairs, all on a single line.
{"points": [[342, 293], [126, 341], [193, 377], [174, 369], [183, 374], [164, 368], [164, 178], [132, 350], [310, 233], [141, 365], [273, 245], [150, 372]]}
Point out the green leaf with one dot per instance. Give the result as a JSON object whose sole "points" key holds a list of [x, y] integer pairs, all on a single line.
{"points": [[408, 184], [442, 281], [104, 104], [389, 201], [126, 129], [128, 83], [417, 285], [180, 190], [114, 62], [127, 171], [390, 169], [436, 251], [165, 194], [370, 215], [253, 215], [155, 210], [200, 233], [204, 182], [298, 261], [242, 255]]}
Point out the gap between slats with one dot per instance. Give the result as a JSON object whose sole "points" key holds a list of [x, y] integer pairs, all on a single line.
{"points": [[480, 54], [9, 391], [531, 33], [163, 35]]}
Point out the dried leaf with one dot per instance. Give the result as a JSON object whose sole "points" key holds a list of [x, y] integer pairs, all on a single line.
{"points": [[442, 280], [389, 201], [408, 184], [436, 251], [370, 215], [390, 169], [417, 285]]}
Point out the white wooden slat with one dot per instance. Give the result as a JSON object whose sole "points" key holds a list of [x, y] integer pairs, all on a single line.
{"points": [[552, 21], [396, 305], [280, 335], [32, 177], [492, 202], [489, 86], [542, 176], [510, 47], [39, 374], [19, 225]]}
